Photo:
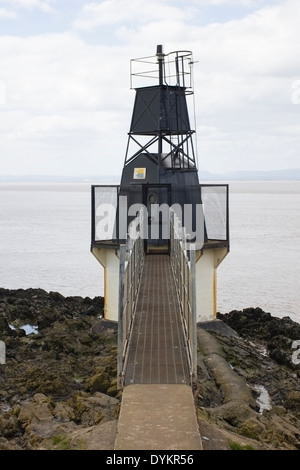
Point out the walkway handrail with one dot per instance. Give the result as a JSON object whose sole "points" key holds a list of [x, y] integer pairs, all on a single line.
{"points": [[131, 265], [183, 262]]}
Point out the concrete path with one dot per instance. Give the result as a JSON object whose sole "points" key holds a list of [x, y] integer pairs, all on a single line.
{"points": [[158, 417]]}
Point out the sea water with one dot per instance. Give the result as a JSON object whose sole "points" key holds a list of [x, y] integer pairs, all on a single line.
{"points": [[45, 236]]}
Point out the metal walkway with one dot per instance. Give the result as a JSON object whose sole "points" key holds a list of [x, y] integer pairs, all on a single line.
{"points": [[157, 409], [157, 350]]}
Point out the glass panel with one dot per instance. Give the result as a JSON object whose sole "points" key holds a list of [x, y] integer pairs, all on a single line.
{"points": [[105, 212], [214, 199]]}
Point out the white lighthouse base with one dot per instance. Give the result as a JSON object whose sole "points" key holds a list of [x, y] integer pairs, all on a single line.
{"points": [[109, 259], [207, 262]]}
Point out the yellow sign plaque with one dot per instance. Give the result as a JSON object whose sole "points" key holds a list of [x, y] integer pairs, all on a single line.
{"points": [[139, 173]]}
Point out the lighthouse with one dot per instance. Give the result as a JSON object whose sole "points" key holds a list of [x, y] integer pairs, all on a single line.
{"points": [[160, 175]]}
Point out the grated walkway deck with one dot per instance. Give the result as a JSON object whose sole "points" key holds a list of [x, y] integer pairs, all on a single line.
{"points": [[157, 410], [157, 351]]}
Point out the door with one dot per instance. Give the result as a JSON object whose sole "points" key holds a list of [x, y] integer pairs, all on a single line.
{"points": [[157, 199]]}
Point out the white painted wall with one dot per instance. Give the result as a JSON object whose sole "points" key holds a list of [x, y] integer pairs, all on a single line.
{"points": [[109, 259], [206, 282]]}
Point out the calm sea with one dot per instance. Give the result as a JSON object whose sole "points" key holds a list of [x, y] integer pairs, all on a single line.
{"points": [[45, 242]]}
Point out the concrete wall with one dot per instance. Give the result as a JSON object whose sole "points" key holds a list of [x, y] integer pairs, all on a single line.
{"points": [[109, 259], [207, 262]]}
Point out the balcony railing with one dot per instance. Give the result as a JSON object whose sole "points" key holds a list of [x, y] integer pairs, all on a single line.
{"points": [[110, 219]]}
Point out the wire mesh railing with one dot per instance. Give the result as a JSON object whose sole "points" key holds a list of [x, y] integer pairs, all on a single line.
{"points": [[183, 262], [131, 265]]}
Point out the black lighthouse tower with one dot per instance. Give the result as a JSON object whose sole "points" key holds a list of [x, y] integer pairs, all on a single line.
{"points": [[160, 164], [160, 179]]}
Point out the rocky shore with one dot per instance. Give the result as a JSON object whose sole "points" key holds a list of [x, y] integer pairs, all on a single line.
{"points": [[58, 386]]}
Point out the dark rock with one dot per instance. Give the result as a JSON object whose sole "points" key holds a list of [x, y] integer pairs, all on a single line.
{"points": [[46, 373], [262, 357], [58, 388]]}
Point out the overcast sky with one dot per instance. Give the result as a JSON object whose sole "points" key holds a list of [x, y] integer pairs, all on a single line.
{"points": [[65, 97]]}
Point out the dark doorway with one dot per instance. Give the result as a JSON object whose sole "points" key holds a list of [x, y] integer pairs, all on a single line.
{"points": [[157, 199]]}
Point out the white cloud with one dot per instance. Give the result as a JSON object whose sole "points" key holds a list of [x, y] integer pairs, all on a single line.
{"points": [[235, 3], [110, 12], [42, 5], [68, 98], [4, 13], [58, 72], [64, 100], [230, 2]]}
